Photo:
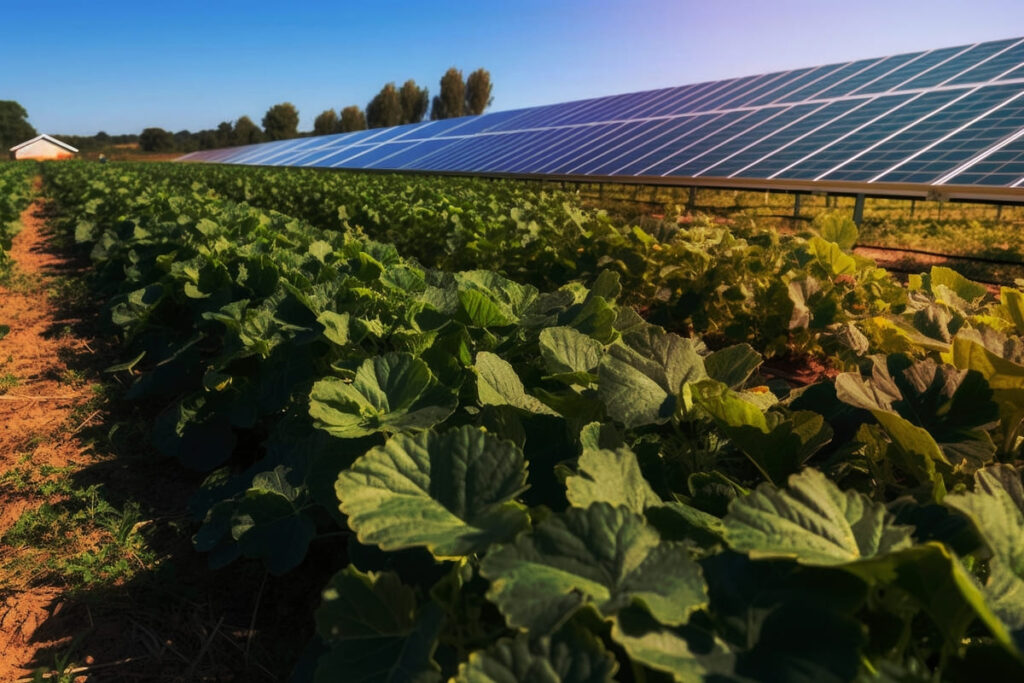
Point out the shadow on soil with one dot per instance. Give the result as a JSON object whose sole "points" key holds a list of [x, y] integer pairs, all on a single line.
{"points": [[143, 605]]}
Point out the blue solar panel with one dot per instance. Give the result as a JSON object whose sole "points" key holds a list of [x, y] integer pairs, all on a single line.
{"points": [[945, 116]]}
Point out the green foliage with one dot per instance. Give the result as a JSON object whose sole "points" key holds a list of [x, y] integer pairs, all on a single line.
{"points": [[385, 109], [156, 140], [351, 118], [451, 101], [326, 122], [281, 122], [14, 125], [245, 132], [478, 92], [461, 388], [414, 101]]}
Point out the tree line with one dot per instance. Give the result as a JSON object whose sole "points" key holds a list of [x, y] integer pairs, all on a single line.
{"points": [[392, 106]]}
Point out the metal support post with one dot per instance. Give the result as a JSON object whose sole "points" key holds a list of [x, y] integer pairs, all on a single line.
{"points": [[858, 210]]}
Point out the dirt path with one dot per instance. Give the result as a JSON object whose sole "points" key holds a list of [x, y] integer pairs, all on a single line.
{"points": [[39, 394]]}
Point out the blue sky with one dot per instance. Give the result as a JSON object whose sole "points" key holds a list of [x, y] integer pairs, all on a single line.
{"points": [[80, 67]]}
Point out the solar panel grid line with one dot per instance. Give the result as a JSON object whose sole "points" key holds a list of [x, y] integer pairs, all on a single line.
{"points": [[743, 116], [780, 81], [725, 89], [957, 64], [931, 68], [846, 135], [711, 149], [577, 163], [365, 149], [805, 135], [907, 127], [985, 60], [531, 148], [676, 100], [883, 76], [723, 100], [948, 135], [677, 104], [981, 156], [762, 139], [677, 124], [823, 93], [550, 161], [783, 99]]}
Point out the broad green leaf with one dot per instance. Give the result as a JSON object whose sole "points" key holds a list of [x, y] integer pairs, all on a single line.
{"points": [[604, 556], [640, 382], [831, 255], [931, 411], [1000, 373], [335, 326], [733, 365], [996, 507], [656, 645], [838, 228], [957, 283], [1012, 304], [778, 444], [390, 393], [267, 525], [610, 476], [569, 352], [499, 385], [370, 623], [812, 522], [572, 655], [452, 493]]}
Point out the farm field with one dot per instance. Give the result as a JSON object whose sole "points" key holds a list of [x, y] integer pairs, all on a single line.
{"points": [[473, 430]]}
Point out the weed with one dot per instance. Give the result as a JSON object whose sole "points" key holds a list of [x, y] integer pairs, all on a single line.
{"points": [[8, 381]]}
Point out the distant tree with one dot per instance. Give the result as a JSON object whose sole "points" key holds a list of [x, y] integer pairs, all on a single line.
{"points": [[225, 134], [326, 123], [156, 140], [352, 118], [478, 92], [185, 141], [102, 138], [385, 109], [207, 139], [452, 99], [14, 125], [246, 132], [281, 122], [414, 101]]}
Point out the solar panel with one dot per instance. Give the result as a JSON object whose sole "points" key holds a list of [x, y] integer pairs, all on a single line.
{"points": [[949, 119]]}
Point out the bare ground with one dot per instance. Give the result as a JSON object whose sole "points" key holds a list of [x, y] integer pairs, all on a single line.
{"points": [[41, 395]]}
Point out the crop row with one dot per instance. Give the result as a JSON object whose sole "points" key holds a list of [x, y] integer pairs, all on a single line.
{"points": [[15, 194], [536, 483]]}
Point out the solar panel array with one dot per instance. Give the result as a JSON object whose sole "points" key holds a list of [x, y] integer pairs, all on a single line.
{"points": [[943, 117]]}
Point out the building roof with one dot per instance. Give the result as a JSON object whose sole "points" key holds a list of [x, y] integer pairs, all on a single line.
{"points": [[46, 137]]}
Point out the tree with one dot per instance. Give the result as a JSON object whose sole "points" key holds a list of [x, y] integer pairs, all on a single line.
{"points": [[156, 140], [385, 109], [452, 99], [14, 125], [281, 122], [414, 102], [352, 118], [246, 132], [478, 92], [225, 134], [326, 123]]}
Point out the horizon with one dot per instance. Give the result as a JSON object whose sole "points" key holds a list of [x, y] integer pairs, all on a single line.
{"points": [[203, 65]]}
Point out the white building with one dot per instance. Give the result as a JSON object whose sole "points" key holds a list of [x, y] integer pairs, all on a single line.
{"points": [[43, 147]]}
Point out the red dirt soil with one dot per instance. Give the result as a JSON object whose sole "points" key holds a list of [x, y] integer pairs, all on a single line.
{"points": [[33, 414]]}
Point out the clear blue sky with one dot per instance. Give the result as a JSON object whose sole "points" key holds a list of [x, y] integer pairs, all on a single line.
{"points": [[80, 67]]}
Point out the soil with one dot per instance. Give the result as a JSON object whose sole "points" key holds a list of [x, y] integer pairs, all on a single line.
{"points": [[33, 417]]}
